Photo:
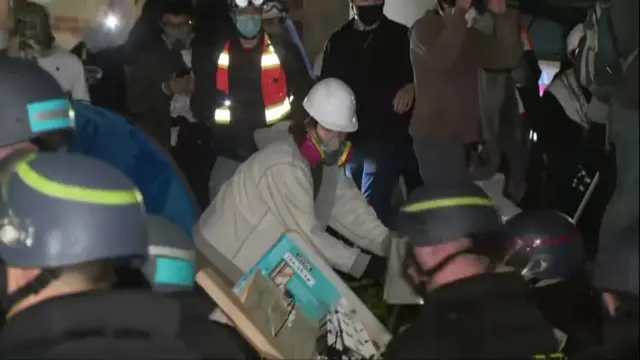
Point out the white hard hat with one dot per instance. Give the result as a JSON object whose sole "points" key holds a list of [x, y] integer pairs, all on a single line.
{"points": [[573, 39], [273, 10], [332, 104]]}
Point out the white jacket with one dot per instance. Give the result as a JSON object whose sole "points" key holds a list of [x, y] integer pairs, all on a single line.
{"points": [[272, 193]]}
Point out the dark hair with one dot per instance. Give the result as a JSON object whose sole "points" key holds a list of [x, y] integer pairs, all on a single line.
{"points": [[177, 7], [299, 128]]}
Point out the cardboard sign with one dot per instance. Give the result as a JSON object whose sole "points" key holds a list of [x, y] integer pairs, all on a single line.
{"points": [[278, 309]]}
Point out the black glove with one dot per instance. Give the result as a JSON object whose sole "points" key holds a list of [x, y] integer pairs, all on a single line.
{"points": [[376, 269]]}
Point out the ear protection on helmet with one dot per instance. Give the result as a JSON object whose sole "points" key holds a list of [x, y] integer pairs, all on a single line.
{"points": [[315, 153]]}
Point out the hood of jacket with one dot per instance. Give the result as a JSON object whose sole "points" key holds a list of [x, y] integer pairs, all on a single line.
{"points": [[267, 136]]}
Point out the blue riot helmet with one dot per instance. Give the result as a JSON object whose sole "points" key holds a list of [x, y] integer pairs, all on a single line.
{"points": [[171, 264], [544, 245], [32, 102], [440, 214], [59, 211]]}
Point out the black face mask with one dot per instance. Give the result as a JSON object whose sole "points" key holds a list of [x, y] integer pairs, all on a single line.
{"points": [[371, 14]]}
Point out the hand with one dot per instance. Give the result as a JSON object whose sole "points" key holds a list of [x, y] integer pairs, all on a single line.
{"points": [[180, 85], [404, 99], [463, 4], [376, 269], [498, 6]]}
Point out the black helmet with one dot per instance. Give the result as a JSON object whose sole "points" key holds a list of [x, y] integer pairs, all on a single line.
{"points": [[438, 214], [172, 257], [32, 102], [59, 210], [544, 245]]}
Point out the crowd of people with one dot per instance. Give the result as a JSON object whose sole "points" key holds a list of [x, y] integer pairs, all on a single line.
{"points": [[269, 143]]}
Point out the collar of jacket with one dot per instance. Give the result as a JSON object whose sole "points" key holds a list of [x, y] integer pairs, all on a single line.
{"points": [[106, 309], [504, 286], [352, 26]]}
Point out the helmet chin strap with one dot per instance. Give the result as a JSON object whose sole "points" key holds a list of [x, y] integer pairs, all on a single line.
{"points": [[44, 279]]}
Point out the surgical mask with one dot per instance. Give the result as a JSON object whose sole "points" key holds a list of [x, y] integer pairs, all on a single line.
{"points": [[248, 25], [369, 15]]}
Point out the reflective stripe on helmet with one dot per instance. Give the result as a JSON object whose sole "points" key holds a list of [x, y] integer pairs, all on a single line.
{"points": [[73, 192], [50, 115], [447, 202]]}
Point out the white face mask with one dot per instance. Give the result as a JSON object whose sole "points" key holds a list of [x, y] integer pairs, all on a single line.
{"points": [[4, 40]]}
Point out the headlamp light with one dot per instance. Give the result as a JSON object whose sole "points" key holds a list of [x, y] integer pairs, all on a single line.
{"points": [[245, 3]]}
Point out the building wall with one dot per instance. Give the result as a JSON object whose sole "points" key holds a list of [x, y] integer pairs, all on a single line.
{"points": [[320, 18]]}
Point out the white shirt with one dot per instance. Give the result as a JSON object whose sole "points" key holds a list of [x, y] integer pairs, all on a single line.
{"points": [[68, 70]]}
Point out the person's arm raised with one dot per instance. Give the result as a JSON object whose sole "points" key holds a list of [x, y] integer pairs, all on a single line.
{"points": [[439, 38]]}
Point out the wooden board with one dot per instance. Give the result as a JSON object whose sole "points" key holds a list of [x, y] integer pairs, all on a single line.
{"points": [[235, 310]]}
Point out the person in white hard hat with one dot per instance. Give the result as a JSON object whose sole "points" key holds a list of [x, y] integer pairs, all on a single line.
{"points": [[295, 183]]}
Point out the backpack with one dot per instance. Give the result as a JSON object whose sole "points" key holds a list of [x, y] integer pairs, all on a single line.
{"points": [[601, 65]]}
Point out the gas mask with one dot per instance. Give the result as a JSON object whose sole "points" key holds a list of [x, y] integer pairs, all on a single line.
{"points": [[330, 152]]}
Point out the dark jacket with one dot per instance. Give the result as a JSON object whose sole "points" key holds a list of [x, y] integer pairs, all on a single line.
{"points": [[97, 325], [235, 140], [483, 317], [105, 77], [376, 65], [211, 339], [148, 104], [620, 336]]}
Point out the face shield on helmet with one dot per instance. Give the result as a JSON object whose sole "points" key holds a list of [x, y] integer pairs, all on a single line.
{"points": [[544, 246]]}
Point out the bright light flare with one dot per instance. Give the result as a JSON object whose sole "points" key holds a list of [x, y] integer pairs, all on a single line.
{"points": [[111, 21]]}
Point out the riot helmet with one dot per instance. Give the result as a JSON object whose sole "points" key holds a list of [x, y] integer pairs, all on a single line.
{"points": [[544, 245], [171, 262], [445, 213], [61, 210], [32, 102]]}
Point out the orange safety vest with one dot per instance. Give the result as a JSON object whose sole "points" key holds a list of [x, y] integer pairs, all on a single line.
{"points": [[275, 95]]}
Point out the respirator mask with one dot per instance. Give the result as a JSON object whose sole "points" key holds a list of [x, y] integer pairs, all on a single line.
{"points": [[330, 152]]}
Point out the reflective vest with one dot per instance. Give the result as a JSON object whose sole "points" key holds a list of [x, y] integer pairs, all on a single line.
{"points": [[275, 95]]}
